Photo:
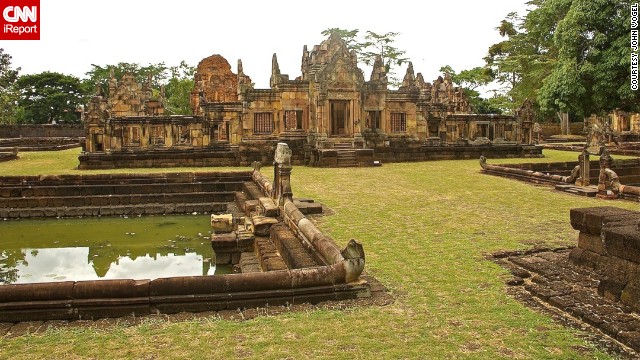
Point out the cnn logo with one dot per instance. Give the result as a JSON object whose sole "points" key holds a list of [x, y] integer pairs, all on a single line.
{"points": [[20, 20], [15, 13]]}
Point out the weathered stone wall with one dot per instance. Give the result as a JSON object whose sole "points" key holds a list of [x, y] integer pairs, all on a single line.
{"points": [[65, 130], [404, 151], [609, 242], [116, 195], [554, 129]]}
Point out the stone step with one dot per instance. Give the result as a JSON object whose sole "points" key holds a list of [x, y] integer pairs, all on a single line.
{"points": [[291, 249], [249, 263], [251, 190], [342, 146], [267, 254], [115, 200], [125, 189], [121, 210]]}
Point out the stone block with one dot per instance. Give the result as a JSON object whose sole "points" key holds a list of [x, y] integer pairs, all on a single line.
{"points": [[222, 223], [261, 225], [610, 289], [623, 242], [590, 242], [591, 220], [250, 206], [630, 296], [269, 207]]}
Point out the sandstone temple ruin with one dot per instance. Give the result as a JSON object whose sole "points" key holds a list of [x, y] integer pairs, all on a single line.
{"points": [[329, 116]]}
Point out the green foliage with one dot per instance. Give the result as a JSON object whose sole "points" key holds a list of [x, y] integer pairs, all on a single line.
{"points": [[592, 72], [372, 45], [568, 56], [8, 92], [99, 76], [349, 36], [177, 81], [50, 96], [382, 45], [470, 80], [178, 89]]}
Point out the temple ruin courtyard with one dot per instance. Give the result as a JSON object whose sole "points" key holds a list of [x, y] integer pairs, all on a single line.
{"points": [[428, 229]]}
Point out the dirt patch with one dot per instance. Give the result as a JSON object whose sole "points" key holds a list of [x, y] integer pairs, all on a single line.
{"points": [[545, 279]]}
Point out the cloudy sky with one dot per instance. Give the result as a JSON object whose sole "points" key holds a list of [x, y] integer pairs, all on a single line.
{"points": [[78, 33]]}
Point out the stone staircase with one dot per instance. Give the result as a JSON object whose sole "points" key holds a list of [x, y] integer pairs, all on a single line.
{"points": [[346, 154]]}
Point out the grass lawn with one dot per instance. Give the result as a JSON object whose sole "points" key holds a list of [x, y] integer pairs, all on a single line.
{"points": [[426, 228]]}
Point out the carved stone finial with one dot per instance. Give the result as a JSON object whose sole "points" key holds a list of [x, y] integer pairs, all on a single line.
{"points": [[409, 76], [283, 154], [378, 73], [275, 71], [483, 162], [354, 258]]}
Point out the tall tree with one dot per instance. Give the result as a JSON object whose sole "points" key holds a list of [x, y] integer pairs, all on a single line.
{"points": [[570, 56], [383, 45], [8, 92], [50, 96], [592, 72], [178, 89]]}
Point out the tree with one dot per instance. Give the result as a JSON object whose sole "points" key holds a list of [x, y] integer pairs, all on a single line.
{"points": [[374, 45], [8, 93], [176, 80], [50, 96], [592, 72], [350, 37], [100, 75], [570, 56], [470, 80], [382, 45], [178, 89]]}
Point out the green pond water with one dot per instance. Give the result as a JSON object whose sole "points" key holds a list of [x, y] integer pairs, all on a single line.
{"points": [[106, 248]]}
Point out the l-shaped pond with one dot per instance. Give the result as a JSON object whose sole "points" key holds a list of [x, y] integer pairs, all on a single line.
{"points": [[106, 248]]}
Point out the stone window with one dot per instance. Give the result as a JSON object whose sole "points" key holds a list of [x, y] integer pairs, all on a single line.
{"points": [[97, 142], [132, 136], [157, 135], [398, 122], [482, 130], [498, 131], [182, 136], [625, 124], [263, 123], [293, 119], [373, 119]]}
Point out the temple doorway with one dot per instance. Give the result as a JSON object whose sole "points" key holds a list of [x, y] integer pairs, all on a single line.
{"points": [[339, 117]]}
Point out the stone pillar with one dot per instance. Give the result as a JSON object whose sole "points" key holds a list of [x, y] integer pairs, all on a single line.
{"points": [[583, 159], [282, 174]]}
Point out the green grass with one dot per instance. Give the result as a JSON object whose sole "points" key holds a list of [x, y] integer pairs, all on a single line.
{"points": [[426, 229]]}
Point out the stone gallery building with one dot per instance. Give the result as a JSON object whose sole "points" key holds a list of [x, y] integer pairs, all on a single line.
{"points": [[329, 116]]}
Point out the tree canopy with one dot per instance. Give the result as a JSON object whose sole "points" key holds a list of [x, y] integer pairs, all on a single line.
{"points": [[569, 56], [50, 97], [8, 92], [176, 80]]}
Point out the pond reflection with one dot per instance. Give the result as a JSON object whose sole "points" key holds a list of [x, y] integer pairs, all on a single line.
{"points": [[114, 248]]}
